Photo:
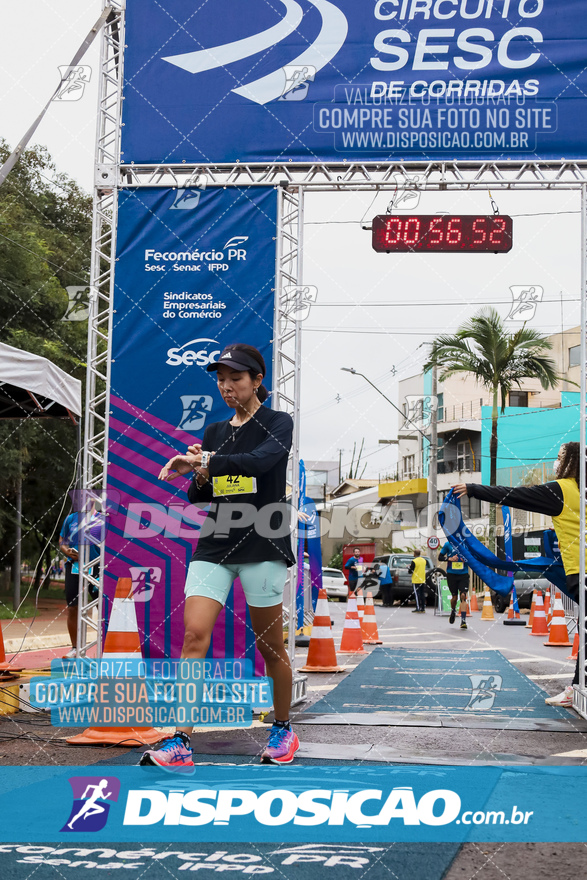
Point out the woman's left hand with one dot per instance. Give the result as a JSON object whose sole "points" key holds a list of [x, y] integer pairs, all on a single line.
{"points": [[460, 489], [195, 453]]}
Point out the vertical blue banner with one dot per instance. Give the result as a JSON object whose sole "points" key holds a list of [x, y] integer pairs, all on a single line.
{"points": [[308, 542], [195, 272], [508, 545]]}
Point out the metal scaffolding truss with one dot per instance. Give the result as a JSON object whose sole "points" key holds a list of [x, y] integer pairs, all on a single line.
{"points": [[431, 175], [287, 363], [100, 314], [292, 181]]}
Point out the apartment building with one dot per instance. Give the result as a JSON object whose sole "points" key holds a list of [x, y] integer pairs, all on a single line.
{"points": [[530, 431]]}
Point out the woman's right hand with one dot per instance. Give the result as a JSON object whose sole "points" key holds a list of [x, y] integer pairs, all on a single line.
{"points": [[179, 465], [460, 489]]}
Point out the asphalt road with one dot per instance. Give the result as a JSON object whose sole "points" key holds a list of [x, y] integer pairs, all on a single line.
{"points": [[27, 738], [548, 667]]}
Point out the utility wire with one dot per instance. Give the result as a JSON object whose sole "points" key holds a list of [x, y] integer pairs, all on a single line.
{"points": [[409, 214]]}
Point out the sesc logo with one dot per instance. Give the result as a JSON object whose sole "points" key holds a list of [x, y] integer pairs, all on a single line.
{"points": [[198, 351]]}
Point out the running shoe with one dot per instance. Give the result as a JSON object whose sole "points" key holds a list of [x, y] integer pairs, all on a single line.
{"points": [[282, 746], [453, 614], [563, 699], [170, 752], [71, 654], [463, 624]]}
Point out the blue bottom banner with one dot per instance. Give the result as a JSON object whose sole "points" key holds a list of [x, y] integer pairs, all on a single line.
{"points": [[293, 804]]}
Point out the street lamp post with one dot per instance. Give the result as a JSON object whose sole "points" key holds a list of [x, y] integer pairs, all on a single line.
{"points": [[356, 373], [433, 452]]}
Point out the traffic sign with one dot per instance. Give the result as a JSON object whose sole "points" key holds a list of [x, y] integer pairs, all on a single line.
{"points": [[433, 543]]}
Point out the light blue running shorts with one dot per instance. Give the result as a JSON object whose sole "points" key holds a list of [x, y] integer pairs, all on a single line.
{"points": [[263, 582]]}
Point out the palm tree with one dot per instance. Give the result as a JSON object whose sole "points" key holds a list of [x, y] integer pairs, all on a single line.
{"points": [[500, 361]]}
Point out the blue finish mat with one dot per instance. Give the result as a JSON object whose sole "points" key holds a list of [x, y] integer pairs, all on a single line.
{"points": [[479, 683], [95, 860], [311, 861]]}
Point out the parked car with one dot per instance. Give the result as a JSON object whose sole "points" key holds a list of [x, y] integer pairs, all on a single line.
{"points": [[401, 589], [525, 583], [334, 583]]}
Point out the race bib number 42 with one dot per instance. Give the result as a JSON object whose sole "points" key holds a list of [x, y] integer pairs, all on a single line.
{"points": [[233, 485]]}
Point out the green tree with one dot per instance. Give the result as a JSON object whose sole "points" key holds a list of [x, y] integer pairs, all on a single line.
{"points": [[500, 361], [45, 245], [335, 560]]}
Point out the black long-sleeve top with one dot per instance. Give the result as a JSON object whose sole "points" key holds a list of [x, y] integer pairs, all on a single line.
{"points": [[259, 449], [546, 498]]}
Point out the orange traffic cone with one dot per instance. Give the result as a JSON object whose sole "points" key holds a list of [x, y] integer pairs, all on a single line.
{"points": [[532, 608], [352, 637], [559, 634], [513, 618], [547, 607], [369, 624], [122, 641], [7, 670], [487, 610], [321, 652], [575, 652], [474, 603], [539, 627], [360, 605]]}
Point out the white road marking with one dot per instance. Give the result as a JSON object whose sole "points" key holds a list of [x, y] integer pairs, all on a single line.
{"points": [[429, 642], [539, 657], [554, 675], [576, 753]]}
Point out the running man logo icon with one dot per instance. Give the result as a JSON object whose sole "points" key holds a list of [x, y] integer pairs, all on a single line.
{"points": [[90, 802], [78, 307], [407, 193], [483, 691], [186, 199], [144, 578], [297, 81], [299, 300], [525, 299], [73, 82], [196, 408], [418, 409]]}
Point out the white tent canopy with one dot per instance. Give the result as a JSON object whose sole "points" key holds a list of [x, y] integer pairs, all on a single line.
{"points": [[33, 385]]}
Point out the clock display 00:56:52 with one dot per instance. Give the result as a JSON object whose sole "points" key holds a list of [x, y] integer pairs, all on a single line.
{"points": [[442, 233]]}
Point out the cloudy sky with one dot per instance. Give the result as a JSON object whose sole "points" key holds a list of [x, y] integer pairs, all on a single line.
{"points": [[374, 312]]}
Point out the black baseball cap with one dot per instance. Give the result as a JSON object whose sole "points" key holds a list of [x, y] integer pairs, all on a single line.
{"points": [[238, 360]]}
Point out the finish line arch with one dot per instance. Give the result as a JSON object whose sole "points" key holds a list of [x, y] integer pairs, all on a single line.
{"points": [[291, 181]]}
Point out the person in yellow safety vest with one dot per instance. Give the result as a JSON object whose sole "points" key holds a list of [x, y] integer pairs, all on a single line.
{"points": [[418, 571], [559, 499]]}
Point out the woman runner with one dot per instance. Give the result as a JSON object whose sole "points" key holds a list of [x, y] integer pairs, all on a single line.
{"points": [[559, 499], [254, 443]]}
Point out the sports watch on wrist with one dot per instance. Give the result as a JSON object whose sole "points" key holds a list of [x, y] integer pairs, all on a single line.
{"points": [[205, 460]]}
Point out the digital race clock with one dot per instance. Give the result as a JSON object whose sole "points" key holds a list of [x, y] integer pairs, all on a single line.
{"points": [[442, 233]]}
